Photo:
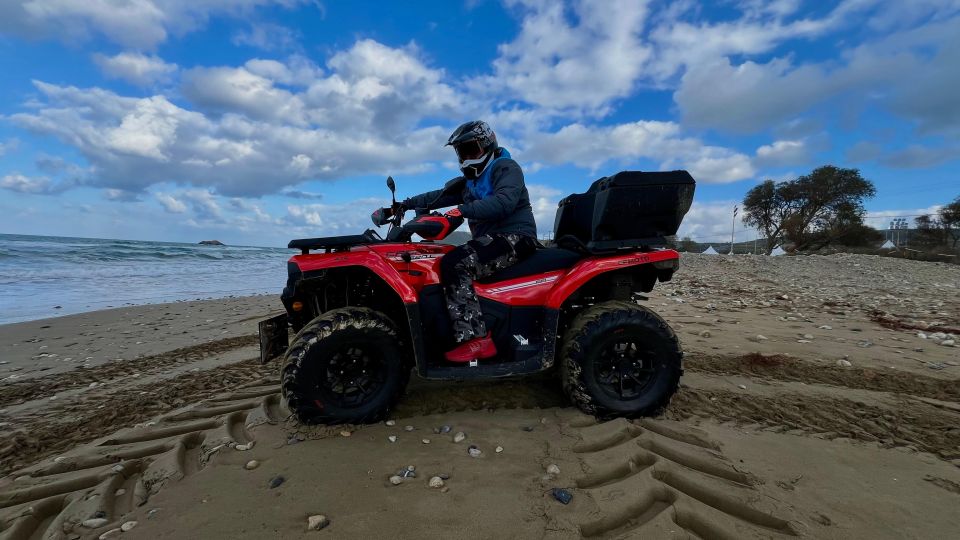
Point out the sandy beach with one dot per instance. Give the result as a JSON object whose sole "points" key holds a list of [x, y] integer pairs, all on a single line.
{"points": [[820, 400]]}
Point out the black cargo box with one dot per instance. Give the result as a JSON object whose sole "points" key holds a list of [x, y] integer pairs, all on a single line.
{"points": [[627, 210]]}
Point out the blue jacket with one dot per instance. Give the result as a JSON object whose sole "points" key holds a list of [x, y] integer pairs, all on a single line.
{"points": [[495, 203]]}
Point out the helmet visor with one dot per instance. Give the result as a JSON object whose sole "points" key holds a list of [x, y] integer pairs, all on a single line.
{"points": [[468, 150]]}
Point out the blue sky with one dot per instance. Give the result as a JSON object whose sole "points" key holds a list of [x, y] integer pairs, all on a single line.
{"points": [[256, 121]]}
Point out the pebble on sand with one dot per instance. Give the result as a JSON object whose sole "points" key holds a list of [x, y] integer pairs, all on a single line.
{"points": [[459, 437], [499, 449], [474, 451], [345, 433], [742, 386], [553, 469], [409, 428], [392, 438], [276, 481], [758, 338], [244, 447], [844, 363], [317, 522], [112, 533], [436, 482], [391, 422], [128, 525], [425, 441], [396, 480], [94, 523], [948, 343], [705, 334], [251, 465]]}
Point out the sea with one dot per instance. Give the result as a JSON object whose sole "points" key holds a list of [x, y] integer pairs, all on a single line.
{"points": [[48, 276]]}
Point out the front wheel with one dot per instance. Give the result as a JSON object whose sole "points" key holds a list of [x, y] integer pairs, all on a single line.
{"points": [[345, 366], [620, 359]]}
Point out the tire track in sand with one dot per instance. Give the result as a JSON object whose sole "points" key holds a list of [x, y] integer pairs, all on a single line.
{"points": [[913, 424], [65, 424], [787, 368], [80, 377], [113, 475], [650, 478]]}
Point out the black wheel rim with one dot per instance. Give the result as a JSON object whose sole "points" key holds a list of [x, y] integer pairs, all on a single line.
{"points": [[625, 366], [351, 376]]}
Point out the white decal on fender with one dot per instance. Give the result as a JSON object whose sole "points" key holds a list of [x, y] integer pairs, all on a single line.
{"points": [[524, 285]]}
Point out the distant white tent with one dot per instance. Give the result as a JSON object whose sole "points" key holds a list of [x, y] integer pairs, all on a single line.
{"points": [[888, 245], [777, 251], [710, 251]]}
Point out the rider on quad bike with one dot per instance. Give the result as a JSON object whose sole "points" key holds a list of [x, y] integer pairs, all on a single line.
{"points": [[367, 310], [494, 200]]}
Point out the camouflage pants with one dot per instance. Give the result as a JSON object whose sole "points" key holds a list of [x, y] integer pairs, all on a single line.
{"points": [[477, 258]]}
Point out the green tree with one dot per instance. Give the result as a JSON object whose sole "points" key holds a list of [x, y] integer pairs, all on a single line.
{"points": [[812, 211], [950, 219], [765, 209], [687, 244]]}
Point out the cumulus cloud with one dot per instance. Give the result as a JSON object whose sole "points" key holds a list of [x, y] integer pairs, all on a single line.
{"points": [[136, 68], [710, 222], [578, 60], [170, 203], [913, 67], [544, 201], [662, 142], [782, 154], [35, 185], [139, 24]]}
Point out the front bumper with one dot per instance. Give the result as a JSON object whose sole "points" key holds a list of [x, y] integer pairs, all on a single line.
{"points": [[274, 337]]}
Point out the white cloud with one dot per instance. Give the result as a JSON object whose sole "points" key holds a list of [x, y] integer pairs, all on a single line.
{"points": [[910, 73], [170, 203], [136, 68], [556, 63], [38, 185], [710, 222], [544, 201], [351, 217], [662, 142], [782, 154], [139, 24], [204, 204]]}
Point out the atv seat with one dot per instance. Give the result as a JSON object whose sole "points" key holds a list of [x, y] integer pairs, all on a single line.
{"points": [[541, 261]]}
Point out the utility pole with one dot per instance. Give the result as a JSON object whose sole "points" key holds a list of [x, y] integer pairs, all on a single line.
{"points": [[733, 226]]}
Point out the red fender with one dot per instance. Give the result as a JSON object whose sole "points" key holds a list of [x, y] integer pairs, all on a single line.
{"points": [[586, 270], [370, 259]]}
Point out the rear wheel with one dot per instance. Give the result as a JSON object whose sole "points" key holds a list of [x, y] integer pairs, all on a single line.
{"points": [[620, 359], [345, 366]]}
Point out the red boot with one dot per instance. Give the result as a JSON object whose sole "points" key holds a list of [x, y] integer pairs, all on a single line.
{"points": [[476, 348]]}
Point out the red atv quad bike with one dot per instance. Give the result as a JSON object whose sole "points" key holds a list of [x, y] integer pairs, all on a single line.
{"points": [[367, 310]]}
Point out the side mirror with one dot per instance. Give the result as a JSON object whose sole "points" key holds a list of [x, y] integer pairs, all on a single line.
{"points": [[391, 184]]}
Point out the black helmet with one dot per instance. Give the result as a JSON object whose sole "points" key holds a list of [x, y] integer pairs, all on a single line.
{"points": [[475, 144]]}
